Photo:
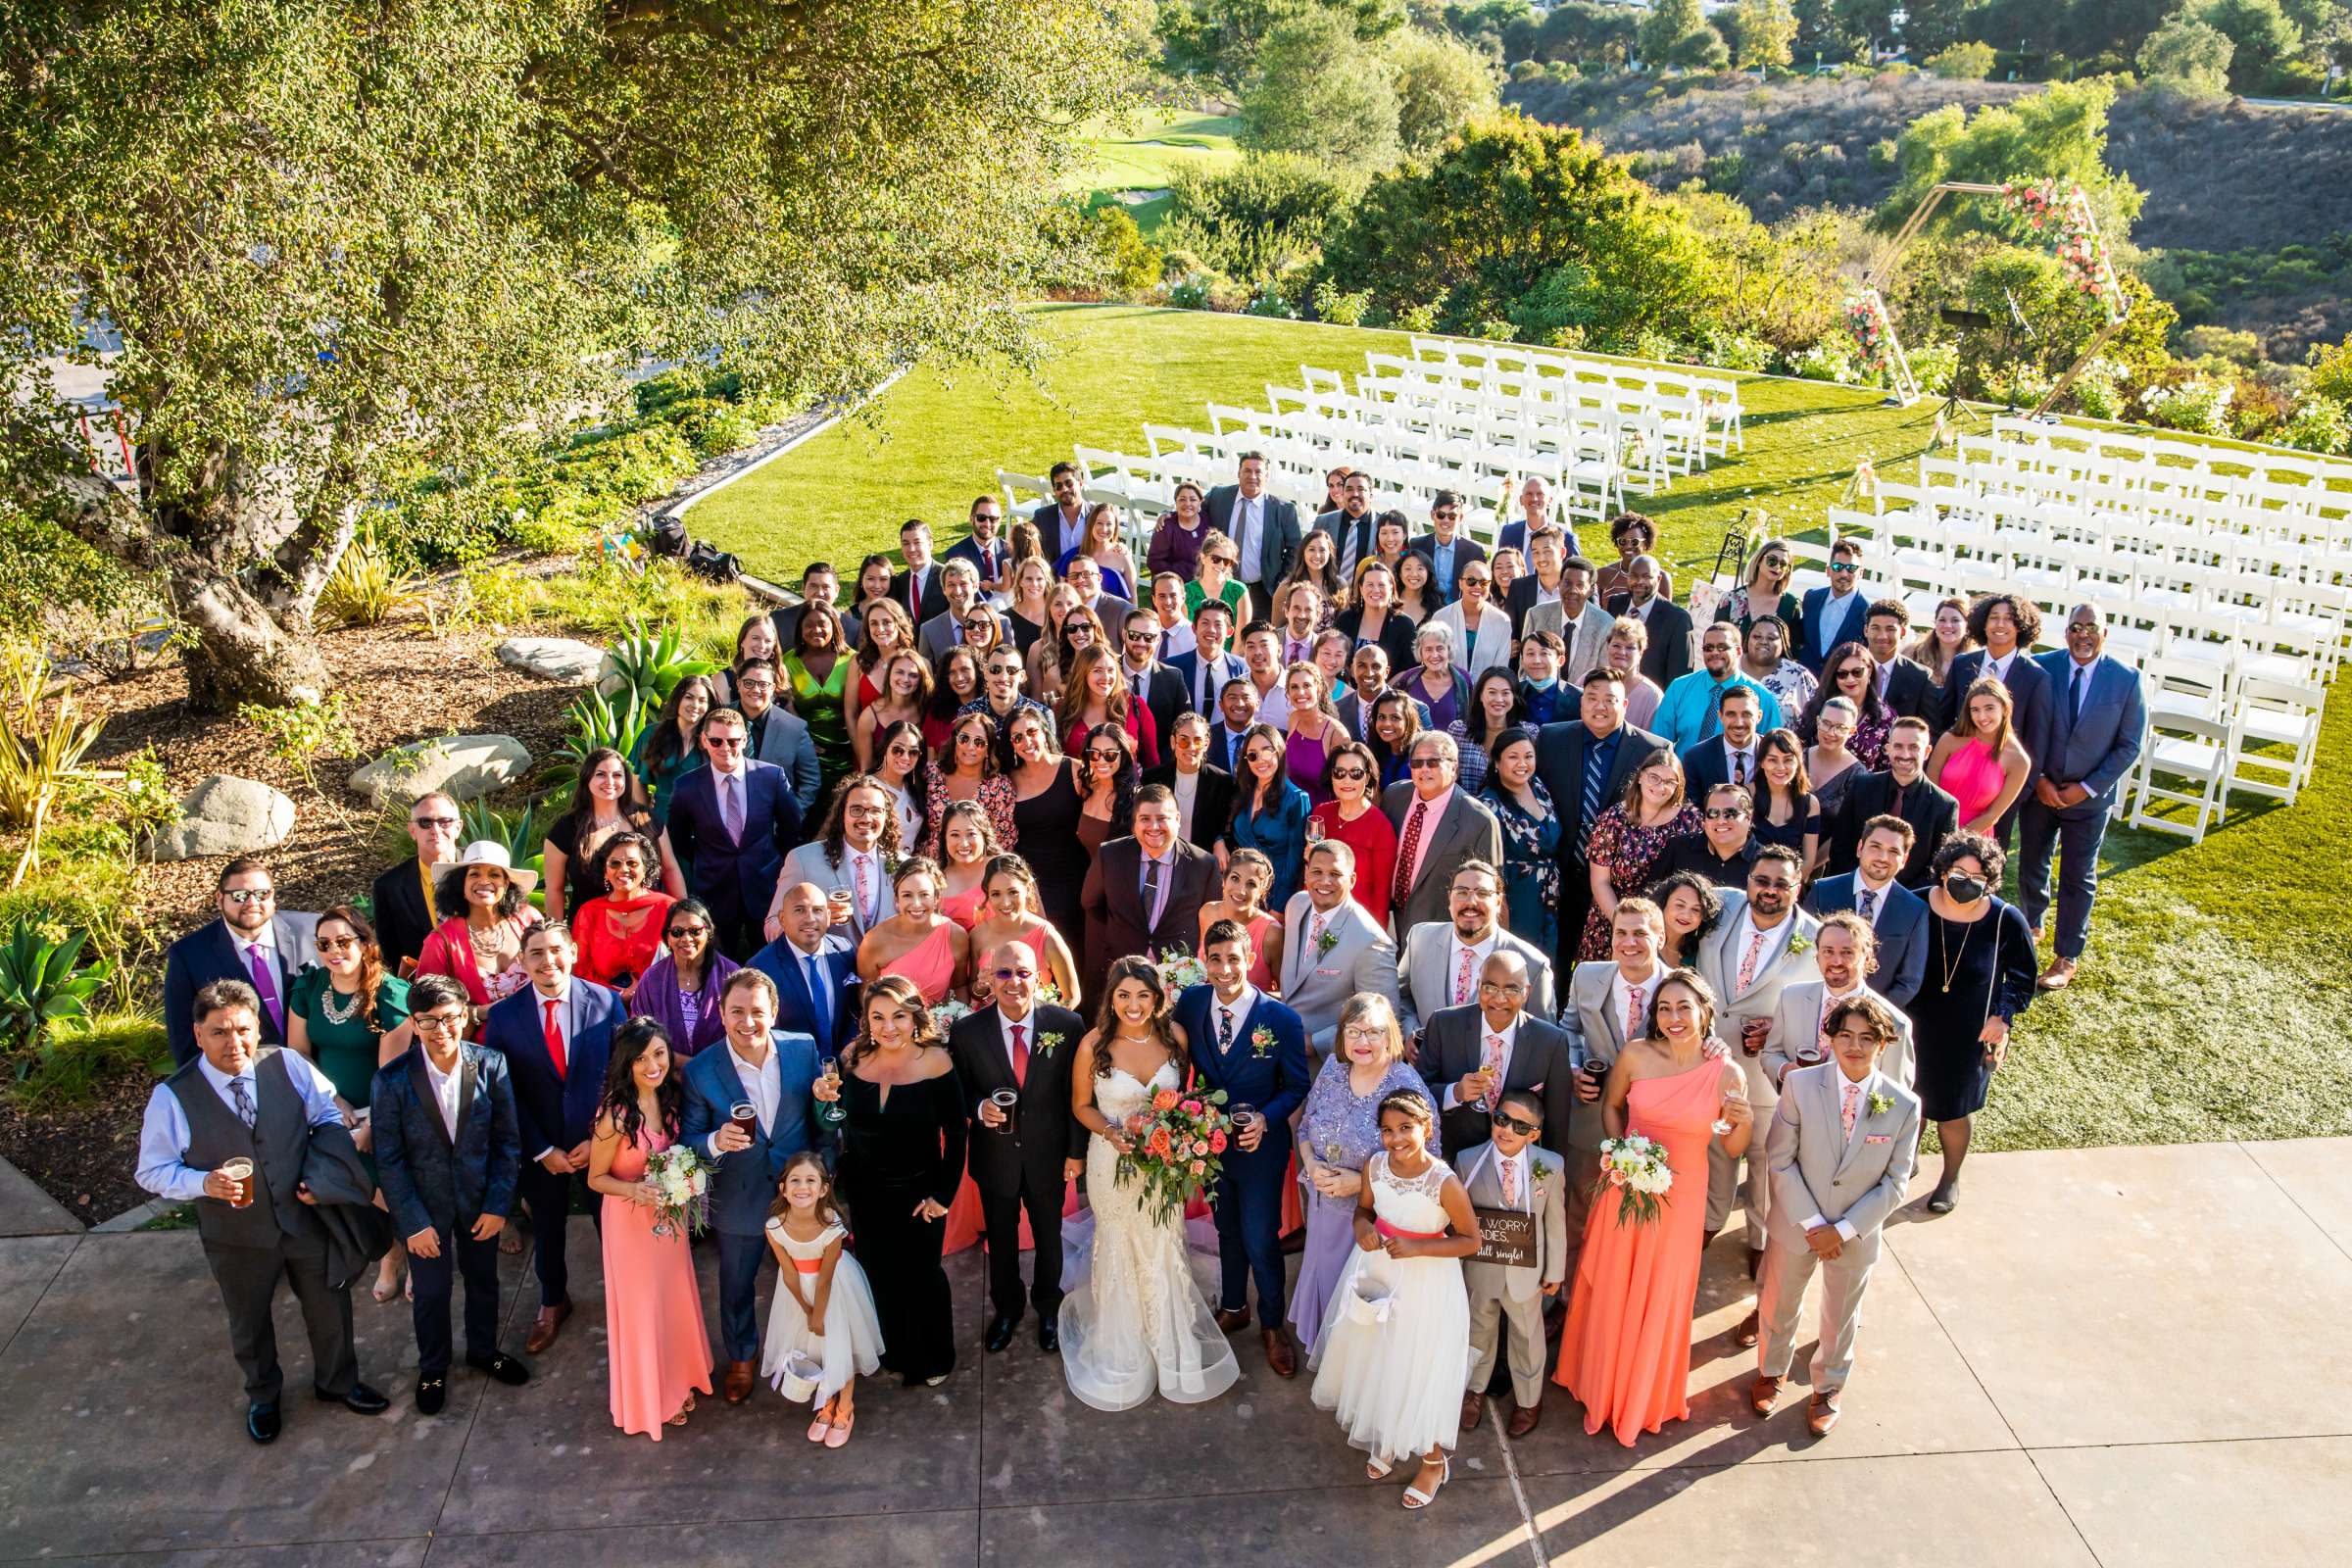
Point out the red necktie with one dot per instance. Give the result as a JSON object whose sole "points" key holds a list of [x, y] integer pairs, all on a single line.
{"points": [[554, 1038], [1020, 1058], [1403, 887]]}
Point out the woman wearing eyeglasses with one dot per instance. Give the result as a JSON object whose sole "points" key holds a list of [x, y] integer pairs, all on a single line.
{"points": [[899, 763], [968, 772], [1627, 840], [1352, 817], [1851, 674]]}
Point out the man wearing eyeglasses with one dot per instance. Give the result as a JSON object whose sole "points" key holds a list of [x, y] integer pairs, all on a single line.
{"points": [[730, 826], [985, 546], [252, 942], [1834, 615], [1438, 961], [1445, 548], [1149, 681], [403, 895], [1697, 706], [1471, 1054], [1438, 827], [1021, 1159], [777, 735], [850, 860]]}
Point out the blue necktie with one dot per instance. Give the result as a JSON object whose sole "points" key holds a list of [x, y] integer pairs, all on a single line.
{"points": [[2075, 698], [1589, 813], [820, 1000]]}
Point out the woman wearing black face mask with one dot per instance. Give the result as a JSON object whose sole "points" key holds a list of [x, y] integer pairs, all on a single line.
{"points": [[1980, 977]]}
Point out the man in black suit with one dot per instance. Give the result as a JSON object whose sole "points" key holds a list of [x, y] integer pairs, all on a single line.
{"points": [[448, 1156], [403, 895], [1447, 549], [252, 943], [1901, 791], [1061, 521], [1669, 623], [1023, 1159], [1585, 764], [1149, 681], [985, 547], [1723, 850], [1144, 893], [820, 584], [1263, 528], [1203, 794], [918, 590], [1903, 683], [1351, 528], [1469, 1056]]}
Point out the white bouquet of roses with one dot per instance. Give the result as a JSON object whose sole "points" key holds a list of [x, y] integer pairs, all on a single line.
{"points": [[681, 1182], [1179, 969], [1637, 1168], [949, 1013]]}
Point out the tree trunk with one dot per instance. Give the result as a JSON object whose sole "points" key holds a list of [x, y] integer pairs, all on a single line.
{"points": [[243, 654]]}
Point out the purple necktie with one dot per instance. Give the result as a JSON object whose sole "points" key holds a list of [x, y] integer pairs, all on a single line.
{"points": [[265, 985]]}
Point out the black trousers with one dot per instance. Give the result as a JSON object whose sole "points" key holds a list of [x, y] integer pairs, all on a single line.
{"points": [[435, 1280], [1001, 1211], [249, 1277], [548, 1197]]}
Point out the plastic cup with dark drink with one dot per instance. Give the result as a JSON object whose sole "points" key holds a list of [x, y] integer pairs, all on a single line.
{"points": [[1006, 1101], [840, 905], [745, 1117], [239, 1171]]}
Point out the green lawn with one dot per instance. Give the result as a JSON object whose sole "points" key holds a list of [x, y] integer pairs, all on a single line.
{"points": [[1146, 152], [2195, 951]]}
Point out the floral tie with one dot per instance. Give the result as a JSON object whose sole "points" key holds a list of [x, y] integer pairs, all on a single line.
{"points": [[1747, 962], [865, 917], [1462, 981], [1869, 905], [1492, 1066], [1510, 1181], [1633, 1011], [1848, 1111]]}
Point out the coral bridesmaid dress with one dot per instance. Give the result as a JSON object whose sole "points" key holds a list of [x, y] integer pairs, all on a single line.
{"points": [[654, 1332]]}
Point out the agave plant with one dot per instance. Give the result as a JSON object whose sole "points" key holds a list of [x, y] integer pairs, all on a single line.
{"points": [[650, 664], [597, 720], [367, 587], [38, 752], [520, 832], [38, 986]]}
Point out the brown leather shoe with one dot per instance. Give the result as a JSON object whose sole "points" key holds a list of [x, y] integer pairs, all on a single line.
{"points": [[1474, 1405], [1524, 1419], [739, 1381], [2057, 977], [1764, 1394], [1279, 1355], [1232, 1319], [1822, 1412], [1745, 1336], [544, 1327]]}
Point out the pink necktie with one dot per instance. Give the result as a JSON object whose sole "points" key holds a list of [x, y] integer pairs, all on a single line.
{"points": [[1461, 980], [1845, 1113], [1633, 1011], [1748, 962], [1492, 1067], [1314, 938], [865, 915], [1510, 1181]]}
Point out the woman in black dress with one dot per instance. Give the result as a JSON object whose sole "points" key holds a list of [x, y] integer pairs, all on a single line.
{"points": [[901, 1161], [1787, 811], [1980, 969], [1046, 807]]}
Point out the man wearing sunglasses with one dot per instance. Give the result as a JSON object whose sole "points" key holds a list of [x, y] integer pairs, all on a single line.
{"points": [[1724, 846], [1470, 1054], [403, 895], [1447, 549], [1020, 1159], [1149, 681], [731, 826], [1512, 1175], [1834, 615], [252, 942]]}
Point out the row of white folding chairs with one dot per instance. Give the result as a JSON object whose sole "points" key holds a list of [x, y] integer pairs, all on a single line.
{"points": [[1673, 425], [2210, 528], [2314, 516], [1145, 486], [2149, 453], [1719, 392], [1589, 456]]}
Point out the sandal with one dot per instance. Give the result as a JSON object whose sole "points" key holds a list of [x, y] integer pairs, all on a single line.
{"points": [[818, 1427], [1415, 1499], [1377, 1469], [383, 1287], [839, 1434]]}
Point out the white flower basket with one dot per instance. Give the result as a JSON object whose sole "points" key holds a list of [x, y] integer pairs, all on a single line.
{"points": [[800, 1376]]}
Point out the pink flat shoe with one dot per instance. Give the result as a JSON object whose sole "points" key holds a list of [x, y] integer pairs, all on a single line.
{"points": [[817, 1429], [839, 1435]]}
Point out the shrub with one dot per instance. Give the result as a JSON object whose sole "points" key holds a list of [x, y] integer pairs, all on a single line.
{"points": [[85, 1055], [1829, 360], [597, 720], [650, 664], [1733, 351], [368, 586], [1967, 60], [1098, 250], [2319, 424], [1525, 71], [2199, 405], [1252, 221], [2220, 342], [2331, 370], [40, 752], [2187, 56], [1340, 310], [298, 734], [40, 985], [1417, 318]]}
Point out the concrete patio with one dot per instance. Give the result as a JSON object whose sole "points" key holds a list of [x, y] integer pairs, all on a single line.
{"points": [[2108, 1357]]}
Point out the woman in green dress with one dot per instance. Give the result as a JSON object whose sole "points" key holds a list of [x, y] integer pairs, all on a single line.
{"points": [[349, 1018], [665, 752], [818, 668]]}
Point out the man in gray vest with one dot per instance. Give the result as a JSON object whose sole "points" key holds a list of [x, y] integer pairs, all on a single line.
{"points": [[232, 1132]]}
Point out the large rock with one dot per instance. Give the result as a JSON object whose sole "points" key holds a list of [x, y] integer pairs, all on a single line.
{"points": [[460, 765], [227, 815], [564, 659]]}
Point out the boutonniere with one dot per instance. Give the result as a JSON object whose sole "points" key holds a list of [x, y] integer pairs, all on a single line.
{"points": [[1325, 942], [1047, 1043], [1261, 1042], [1880, 1105], [1797, 943], [1541, 1170]]}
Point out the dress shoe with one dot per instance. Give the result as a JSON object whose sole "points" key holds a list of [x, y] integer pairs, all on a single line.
{"points": [[1822, 1412], [508, 1369], [1000, 1332], [1232, 1319], [1279, 1355], [1745, 1336], [1049, 1334], [739, 1381], [360, 1400], [2057, 977], [433, 1393], [544, 1327], [1943, 1200], [262, 1422], [1524, 1419], [1474, 1405], [1764, 1394]]}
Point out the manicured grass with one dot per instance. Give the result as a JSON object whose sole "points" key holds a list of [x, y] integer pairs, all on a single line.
{"points": [[2214, 1000], [1146, 152]]}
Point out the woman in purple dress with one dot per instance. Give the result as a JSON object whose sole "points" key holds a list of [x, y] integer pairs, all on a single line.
{"points": [[681, 989], [1339, 1131]]}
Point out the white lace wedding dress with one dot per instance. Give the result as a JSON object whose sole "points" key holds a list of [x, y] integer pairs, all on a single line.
{"points": [[1138, 1322]]}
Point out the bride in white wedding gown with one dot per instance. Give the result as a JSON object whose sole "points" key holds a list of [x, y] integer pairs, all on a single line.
{"points": [[1137, 1322]]}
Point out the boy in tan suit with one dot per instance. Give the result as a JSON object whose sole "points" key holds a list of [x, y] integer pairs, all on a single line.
{"points": [[1512, 1173]]}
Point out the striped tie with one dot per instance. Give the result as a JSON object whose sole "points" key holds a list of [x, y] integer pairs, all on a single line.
{"points": [[1590, 810]]}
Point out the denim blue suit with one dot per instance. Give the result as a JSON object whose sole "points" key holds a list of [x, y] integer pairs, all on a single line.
{"points": [[744, 1184]]}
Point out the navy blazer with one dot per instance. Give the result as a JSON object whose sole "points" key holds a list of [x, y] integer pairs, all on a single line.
{"points": [[992, 563], [1901, 962], [2098, 749], [554, 1112], [744, 1185], [429, 1182], [1819, 641], [737, 880], [2029, 704], [1276, 1083], [1465, 551], [796, 1009], [209, 953], [1186, 666]]}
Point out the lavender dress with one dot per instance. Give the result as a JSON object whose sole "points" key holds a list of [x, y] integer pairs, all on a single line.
{"points": [[1334, 1117]]}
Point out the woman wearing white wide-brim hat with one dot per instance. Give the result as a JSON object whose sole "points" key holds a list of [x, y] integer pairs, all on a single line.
{"points": [[482, 897]]}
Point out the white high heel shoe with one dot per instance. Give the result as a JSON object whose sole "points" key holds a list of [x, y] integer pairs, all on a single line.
{"points": [[1415, 1499]]}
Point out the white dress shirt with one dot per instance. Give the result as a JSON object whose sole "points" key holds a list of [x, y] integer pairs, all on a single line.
{"points": [[1027, 1024], [164, 1135], [1998, 668], [1502, 1067], [1239, 1008], [1186, 789], [1274, 706], [763, 1086], [445, 1087], [1621, 995]]}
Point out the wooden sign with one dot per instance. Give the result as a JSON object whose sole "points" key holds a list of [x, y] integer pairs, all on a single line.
{"points": [[1505, 1237]]}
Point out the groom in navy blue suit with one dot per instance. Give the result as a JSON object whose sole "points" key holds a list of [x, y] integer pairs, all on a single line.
{"points": [[731, 825], [1254, 1048]]}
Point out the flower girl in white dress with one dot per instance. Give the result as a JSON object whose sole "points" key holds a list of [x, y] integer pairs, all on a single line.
{"points": [[823, 1316], [1396, 1350]]}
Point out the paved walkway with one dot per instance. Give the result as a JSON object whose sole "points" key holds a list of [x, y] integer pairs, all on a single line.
{"points": [[2127, 1356]]}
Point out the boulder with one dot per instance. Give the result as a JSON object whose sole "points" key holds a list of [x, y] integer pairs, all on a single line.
{"points": [[564, 659], [460, 765], [227, 815]]}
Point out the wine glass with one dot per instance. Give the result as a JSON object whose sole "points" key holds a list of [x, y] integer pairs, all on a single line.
{"points": [[832, 1111]]}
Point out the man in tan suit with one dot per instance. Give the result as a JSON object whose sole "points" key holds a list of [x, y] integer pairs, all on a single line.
{"points": [[1840, 1150], [1843, 949], [1608, 1004], [1512, 1173]]}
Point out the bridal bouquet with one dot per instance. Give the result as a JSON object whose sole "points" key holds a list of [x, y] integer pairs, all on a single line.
{"points": [[1636, 1167], [1179, 1142], [1180, 970], [947, 1014], [683, 1178]]}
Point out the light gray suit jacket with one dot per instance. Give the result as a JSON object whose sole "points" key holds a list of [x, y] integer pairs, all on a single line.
{"points": [[1316, 986], [1549, 1206], [1777, 968], [808, 865], [1586, 643], [1797, 1020], [1428, 984], [1817, 1168], [1467, 830], [1590, 1011]]}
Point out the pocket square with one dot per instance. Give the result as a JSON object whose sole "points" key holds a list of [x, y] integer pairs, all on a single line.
{"points": [[1878, 1138], [1327, 971]]}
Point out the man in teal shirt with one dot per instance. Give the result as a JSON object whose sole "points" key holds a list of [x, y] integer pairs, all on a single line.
{"points": [[1689, 712]]}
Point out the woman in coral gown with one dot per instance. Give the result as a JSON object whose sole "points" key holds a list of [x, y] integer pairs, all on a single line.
{"points": [[1626, 1351], [660, 1351]]}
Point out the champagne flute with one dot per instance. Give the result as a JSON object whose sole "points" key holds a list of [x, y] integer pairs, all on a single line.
{"points": [[832, 1111]]}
